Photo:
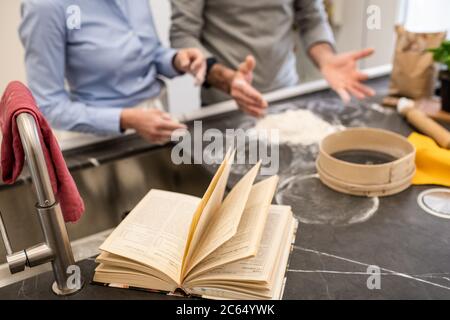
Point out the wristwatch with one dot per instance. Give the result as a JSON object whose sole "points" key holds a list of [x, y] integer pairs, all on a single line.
{"points": [[210, 62]]}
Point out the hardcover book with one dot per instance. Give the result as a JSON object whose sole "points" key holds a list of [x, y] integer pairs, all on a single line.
{"points": [[233, 247]]}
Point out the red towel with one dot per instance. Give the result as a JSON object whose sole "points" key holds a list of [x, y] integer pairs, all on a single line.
{"points": [[16, 100]]}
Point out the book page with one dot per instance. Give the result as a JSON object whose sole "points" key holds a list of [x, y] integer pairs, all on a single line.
{"points": [[245, 242], [124, 277], [208, 206], [225, 221], [259, 268], [155, 232], [242, 289], [279, 275], [111, 260], [219, 291]]}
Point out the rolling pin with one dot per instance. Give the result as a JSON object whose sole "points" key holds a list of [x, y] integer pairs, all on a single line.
{"points": [[423, 123], [431, 107]]}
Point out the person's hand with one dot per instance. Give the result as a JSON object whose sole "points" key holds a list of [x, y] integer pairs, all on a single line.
{"points": [[342, 74], [152, 124], [248, 98], [192, 61]]}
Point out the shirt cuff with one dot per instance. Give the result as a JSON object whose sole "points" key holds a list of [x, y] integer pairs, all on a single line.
{"points": [[166, 66], [108, 120]]}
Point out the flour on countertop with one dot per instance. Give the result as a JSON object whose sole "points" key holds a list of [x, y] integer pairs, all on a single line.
{"points": [[297, 127]]}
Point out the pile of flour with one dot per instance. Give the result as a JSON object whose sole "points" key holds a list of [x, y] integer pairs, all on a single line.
{"points": [[297, 127]]}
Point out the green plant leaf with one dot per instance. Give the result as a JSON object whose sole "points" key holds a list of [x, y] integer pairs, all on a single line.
{"points": [[446, 45], [442, 53]]}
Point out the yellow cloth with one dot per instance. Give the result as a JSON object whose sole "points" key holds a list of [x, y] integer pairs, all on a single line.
{"points": [[432, 161]]}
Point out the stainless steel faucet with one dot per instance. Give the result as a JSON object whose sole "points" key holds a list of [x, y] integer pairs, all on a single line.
{"points": [[56, 248]]}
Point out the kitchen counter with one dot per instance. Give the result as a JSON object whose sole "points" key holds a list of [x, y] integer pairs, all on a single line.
{"points": [[329, 261]]}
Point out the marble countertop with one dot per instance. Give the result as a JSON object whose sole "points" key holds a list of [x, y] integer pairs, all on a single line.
{"points": [[409, 247]]}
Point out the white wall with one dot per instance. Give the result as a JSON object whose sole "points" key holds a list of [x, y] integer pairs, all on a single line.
{"points": [[427, 15], [383, 39], [183, 95], [11, 52]]}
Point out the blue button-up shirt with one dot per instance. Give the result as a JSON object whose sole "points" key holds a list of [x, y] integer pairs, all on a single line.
{"points": [[109, 61]]}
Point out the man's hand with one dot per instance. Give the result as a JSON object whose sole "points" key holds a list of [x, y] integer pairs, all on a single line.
{"points": [[238, 84], [152, 124], [192, 61], [248, 98], [341, 71]]}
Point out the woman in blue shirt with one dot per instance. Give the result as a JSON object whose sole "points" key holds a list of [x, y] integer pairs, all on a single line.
{"points": [[109, 54]]}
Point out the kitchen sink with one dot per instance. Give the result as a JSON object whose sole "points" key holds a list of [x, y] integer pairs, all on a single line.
{"points": [[109, 190]]}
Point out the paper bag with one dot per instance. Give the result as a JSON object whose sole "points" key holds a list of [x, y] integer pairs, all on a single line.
{"points": [[413, 73]]}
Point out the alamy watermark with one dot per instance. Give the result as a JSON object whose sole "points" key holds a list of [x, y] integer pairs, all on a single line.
{"points": [[74, 281], [73, 17], [373, 21], [374, 280], [209, 147]]}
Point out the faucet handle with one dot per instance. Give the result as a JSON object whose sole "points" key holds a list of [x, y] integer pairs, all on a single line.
{"points": [[16, 261], [5, 236]]}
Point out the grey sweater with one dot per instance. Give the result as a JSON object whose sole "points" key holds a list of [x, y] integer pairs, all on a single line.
{"points": [[229, 30]]}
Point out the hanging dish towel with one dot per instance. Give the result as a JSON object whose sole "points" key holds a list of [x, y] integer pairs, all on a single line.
{"points": [[432, 161], [16, 100]]}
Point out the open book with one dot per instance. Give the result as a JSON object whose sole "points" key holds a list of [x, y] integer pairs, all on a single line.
{"points": [[232, 248]]}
